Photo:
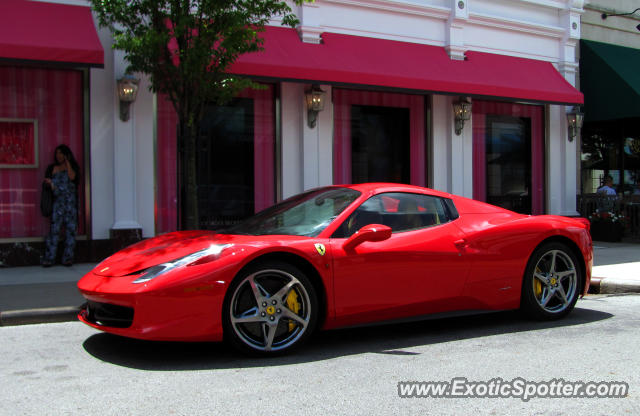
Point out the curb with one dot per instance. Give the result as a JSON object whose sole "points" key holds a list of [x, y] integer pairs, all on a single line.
{"points": [[594, 286], [608, 285], [39, 316]]}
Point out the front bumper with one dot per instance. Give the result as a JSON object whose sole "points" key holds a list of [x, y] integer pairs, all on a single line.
{"points": [[185, 311]]}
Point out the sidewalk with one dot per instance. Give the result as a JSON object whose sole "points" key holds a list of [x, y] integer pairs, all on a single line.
{"points": [[36, 294], [616, 268]]}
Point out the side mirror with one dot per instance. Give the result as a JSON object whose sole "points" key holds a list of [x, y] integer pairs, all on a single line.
{"points": [[371, 232]]}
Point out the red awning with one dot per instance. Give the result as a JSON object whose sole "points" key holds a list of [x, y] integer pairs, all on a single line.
{"points": [[356, 60], [53, 33]]}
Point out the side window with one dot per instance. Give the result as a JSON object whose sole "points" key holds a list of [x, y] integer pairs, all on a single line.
{"points": [[398, 210]]}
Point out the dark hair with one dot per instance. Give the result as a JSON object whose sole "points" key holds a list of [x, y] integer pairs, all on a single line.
{"points": [[64, 149]]}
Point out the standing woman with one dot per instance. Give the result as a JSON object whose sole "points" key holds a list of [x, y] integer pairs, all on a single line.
{"points": [[62, 176]]}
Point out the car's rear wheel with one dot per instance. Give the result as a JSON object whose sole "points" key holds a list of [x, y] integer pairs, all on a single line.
{"points": [[269, 309], [550, 287]]}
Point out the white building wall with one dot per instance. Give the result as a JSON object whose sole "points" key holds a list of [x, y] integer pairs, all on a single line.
{"points": [[440, 152], [101, 142], [451, 162], [292, 119], [307, 153], [123, 148], [317, 145], [143, 112]]}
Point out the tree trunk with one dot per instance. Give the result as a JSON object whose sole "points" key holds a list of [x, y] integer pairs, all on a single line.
{"points": [[188, 139]]}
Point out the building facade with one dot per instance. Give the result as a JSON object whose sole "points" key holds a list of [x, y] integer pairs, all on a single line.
{"points": [[390, 73]]}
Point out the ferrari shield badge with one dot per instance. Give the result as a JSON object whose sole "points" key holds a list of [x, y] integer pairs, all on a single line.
{"points": [[320, 248]]}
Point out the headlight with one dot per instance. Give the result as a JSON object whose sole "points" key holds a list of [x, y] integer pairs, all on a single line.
{"points": [[199, 257]]}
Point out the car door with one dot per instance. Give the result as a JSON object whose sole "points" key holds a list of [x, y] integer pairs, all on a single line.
{"points": [[420, 269]]}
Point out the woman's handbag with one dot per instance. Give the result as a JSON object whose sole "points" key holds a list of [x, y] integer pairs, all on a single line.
{"points": [[46, 200]]}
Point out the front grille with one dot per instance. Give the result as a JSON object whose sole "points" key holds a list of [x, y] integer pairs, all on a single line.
{"points": [[106, 314]]}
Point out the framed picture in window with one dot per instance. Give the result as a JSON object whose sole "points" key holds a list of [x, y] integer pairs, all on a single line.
{"points": [[18, 143]]}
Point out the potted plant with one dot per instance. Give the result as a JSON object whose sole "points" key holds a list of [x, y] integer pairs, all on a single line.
{"points": [[607, 226]]}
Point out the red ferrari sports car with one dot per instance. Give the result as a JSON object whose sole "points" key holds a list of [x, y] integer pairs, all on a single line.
{"points": [[339, 256]]}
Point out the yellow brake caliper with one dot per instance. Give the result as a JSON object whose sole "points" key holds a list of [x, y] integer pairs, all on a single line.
{"points": [[537, 286], [293, 305]]}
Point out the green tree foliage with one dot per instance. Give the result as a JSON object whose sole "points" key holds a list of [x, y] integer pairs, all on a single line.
{"points": [[186, 47]]}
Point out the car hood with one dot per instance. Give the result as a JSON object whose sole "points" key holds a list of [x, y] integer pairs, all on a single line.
{"points": [[172, 246]]}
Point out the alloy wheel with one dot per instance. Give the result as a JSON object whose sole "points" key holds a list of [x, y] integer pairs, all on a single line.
{"points": [[555, 281], [270, 310]]}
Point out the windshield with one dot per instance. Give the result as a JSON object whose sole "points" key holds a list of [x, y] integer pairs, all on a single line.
{"points": [[306, 214]]}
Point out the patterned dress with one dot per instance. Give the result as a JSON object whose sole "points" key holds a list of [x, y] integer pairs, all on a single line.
{"points": [[65, 212]]}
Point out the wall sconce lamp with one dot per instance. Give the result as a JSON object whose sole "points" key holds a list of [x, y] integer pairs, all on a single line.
{"points": [[574, 121], [461, 113], [127, 92], [315, 103]]}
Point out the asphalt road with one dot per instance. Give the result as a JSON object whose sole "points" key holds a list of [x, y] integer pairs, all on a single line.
{"points": [[69, 368]]}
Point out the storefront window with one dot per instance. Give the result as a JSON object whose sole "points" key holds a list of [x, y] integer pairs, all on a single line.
{"points": [[225, 164], [378, 137], [508, 149], [235, 161], [508, 169], [39, 110], [380, 144], [611, 148]]}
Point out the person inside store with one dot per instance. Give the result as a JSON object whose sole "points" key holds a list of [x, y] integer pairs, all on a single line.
{"points": [[62, 176], [607, 189]]}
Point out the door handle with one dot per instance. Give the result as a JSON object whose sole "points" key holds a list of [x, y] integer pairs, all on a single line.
{"points": [[460, 243]]}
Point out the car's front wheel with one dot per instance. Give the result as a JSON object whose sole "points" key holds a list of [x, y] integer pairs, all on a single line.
{"points": [[550, 287], [270, 308]]}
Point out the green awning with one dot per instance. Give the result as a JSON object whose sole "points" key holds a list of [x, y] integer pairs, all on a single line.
{"points": [[610, 81]]}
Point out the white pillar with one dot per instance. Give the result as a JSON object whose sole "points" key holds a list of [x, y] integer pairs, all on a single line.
{"points": [[102, 124], [563, 155], [124, 166], [317, 145], [145, 164], [562, 165], [291, 143], [454, 28], [325, 140], [451, 158], [468, 158], [438, 164]]}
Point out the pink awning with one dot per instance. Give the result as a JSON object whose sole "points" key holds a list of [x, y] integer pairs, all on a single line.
{"points": [[355, 60], [48, 32]]}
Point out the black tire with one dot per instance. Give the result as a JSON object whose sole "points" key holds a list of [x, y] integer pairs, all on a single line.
{"points": [[270, 309], [551, 282]]}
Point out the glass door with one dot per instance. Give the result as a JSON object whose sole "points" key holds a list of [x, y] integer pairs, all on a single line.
{"points": [[508, 156], [235, 161], [380, 144], [378, 137], [224, 165], [508, 162]]}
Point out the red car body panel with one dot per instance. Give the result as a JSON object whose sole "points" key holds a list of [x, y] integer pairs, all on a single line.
{"points": [[475, 262], [403, 276]]}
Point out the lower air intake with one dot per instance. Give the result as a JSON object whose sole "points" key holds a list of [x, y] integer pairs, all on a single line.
{"points": [[106, 314]]}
